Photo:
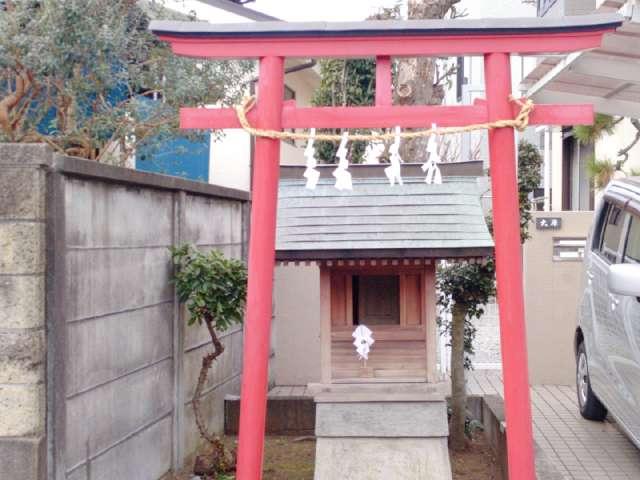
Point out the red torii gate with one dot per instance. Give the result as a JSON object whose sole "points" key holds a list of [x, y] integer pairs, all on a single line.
{"points": [[272, 42]]}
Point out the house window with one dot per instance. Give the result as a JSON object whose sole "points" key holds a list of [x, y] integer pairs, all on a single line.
{"points": [[376, 299]]}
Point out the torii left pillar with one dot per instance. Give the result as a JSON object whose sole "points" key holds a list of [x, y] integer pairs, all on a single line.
{"points": [[257, 331]]}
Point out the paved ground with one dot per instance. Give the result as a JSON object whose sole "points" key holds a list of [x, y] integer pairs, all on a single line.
{"points": [[580, 449]]}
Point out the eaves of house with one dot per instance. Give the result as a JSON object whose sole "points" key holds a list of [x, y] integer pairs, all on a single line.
{"points": [[238, 9], [608, 77]]}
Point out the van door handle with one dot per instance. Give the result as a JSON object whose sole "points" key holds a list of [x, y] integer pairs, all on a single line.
{"points": [[589, 277], [614, 301]]}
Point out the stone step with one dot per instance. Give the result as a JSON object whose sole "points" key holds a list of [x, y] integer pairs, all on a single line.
{"points": [[381, 440]]}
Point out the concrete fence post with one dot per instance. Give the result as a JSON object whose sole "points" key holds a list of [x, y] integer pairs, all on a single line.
{"points": [[23, 172], [179, 204]]}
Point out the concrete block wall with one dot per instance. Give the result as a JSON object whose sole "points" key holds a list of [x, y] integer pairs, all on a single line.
{"points": [[115, 399], [211, 223]]}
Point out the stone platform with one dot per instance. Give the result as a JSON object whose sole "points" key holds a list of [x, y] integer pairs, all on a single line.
{"points": [[381, 431]]}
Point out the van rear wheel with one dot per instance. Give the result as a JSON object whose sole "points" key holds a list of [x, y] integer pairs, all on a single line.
{"points": [[590, 407]]}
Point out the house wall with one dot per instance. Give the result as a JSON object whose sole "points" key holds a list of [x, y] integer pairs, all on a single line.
{"points": [[304, 84], [231, 160], [230, 153], [296, 325], [552, 291], [121, 365]]}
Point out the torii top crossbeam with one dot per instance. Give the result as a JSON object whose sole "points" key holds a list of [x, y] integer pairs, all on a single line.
{"points": [[409, 38], [272, 42], [384, 39]]}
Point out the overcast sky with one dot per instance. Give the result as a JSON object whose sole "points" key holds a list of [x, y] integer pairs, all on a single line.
{"points": [[337, 10], [344, 10]]}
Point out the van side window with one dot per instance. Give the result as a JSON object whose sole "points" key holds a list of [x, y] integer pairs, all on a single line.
{"points": [[632, 245], [596, 242], [612, 233]]}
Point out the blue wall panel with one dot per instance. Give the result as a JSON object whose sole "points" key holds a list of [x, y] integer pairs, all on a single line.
{"points": [[180, 157]]}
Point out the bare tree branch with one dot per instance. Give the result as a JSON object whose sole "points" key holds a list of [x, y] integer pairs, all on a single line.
{"points": [[419, 81], [625, 151]]}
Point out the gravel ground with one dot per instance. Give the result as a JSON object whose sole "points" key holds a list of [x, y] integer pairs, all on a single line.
{"points": [[487, 343]]}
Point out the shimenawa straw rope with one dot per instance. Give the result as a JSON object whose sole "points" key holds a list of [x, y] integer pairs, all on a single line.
{"points": [[520, 122]]}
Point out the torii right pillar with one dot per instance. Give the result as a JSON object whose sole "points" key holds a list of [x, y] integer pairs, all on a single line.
{"points": [[508, 253]]}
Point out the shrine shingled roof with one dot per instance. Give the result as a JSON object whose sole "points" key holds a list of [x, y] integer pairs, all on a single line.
{"points": [[376, 220]]}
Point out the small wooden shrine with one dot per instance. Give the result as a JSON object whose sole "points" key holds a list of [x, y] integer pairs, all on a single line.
{"points": [[377, 247]]}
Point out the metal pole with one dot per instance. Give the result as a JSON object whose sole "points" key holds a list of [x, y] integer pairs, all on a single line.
{"points": [[557, 180], [253, 400], [506, 221], [547, 169]]}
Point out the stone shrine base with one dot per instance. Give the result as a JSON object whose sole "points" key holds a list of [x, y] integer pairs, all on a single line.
{"points": [[381, 432]]}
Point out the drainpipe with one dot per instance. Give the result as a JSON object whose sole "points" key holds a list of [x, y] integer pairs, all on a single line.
{"points": [[547, 169], [556, 168]]}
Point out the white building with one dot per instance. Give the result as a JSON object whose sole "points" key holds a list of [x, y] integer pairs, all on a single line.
{"points": [[230, 156], [608, 78]]}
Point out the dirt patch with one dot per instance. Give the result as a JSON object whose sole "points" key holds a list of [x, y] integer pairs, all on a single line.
{"points": [[285, 458], [477, 462], [291, 458]]}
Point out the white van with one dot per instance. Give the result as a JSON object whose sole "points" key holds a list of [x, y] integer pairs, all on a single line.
{"points": [[607, 340]]}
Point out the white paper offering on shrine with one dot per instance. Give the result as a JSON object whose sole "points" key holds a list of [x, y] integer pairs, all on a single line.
{"points": [[430, 167], [363, 340], [311, 174], [393, 172], [343, 177]]}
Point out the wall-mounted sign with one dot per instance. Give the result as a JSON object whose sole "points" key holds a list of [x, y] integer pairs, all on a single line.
{"points": [[548, 223], [544, 6]]}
